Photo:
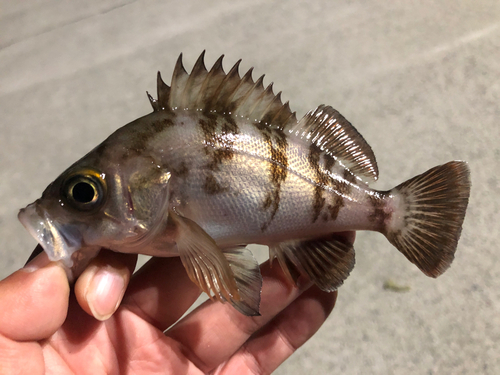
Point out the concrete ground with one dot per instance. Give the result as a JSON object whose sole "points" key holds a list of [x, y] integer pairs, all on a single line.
{"points": [[420, 81]]}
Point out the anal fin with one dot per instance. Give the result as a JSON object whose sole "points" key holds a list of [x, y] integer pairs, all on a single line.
{"points": [[231, 275], [327, 262], [248, 280]]}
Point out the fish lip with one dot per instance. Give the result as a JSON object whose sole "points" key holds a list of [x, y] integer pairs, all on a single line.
{"points": [[59, 241]]}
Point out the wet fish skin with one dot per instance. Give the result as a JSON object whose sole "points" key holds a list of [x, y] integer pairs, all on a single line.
{"points": [[222, 163]]}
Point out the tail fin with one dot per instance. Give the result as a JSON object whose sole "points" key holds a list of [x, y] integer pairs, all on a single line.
{"points": [[428, 217]]}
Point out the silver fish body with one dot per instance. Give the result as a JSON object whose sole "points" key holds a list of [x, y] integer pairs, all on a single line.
{"points": [[222, 163], [238, 193]]}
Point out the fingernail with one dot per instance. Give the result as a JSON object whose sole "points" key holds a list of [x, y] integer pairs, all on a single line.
{"points": [[304, 282], [40, 261], [105, 293]]}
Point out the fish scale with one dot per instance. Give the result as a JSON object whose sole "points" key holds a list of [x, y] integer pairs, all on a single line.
{"points": [[222, 163]]}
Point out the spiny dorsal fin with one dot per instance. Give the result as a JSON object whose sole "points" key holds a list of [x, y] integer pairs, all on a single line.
{"points": [[333, 134], [217, 91]]}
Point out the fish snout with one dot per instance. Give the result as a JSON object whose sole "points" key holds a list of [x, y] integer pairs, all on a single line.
{"points": [[59, 241]]}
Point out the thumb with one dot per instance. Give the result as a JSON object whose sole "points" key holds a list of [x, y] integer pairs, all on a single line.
{"points": [[34, 300]]}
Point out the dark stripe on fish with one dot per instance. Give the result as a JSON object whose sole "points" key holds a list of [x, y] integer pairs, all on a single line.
{"points": [[350, 178], [276, 139], [338, 200], [334, 209], [320, 182], [181, 171], [218, 146], [323, 180], [141, 136], [138, 140], [379, 215], [229, 126], [329, 162], [343, 188], [208, 125], [218, 157], [212, 187]]}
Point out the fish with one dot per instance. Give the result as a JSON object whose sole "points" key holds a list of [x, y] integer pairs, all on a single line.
{"points": [[221, 163]]}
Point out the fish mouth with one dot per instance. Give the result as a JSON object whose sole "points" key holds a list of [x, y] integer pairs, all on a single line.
{"points": [[58, 240]]}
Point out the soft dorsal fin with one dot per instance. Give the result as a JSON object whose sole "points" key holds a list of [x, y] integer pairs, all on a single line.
{"points": [[217, 91], [332, 133]]}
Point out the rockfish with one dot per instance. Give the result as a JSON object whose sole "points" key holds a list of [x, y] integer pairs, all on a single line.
{"points": [[221, 163]]}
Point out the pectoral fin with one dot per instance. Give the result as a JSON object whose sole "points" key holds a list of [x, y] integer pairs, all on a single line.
{"points": [[226, 275], [327, 262]]}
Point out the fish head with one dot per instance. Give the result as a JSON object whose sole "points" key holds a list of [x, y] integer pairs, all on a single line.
{"points": [[89, 207]]}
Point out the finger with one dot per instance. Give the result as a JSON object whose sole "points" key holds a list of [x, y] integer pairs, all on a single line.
{"points": [[34, 300], [14, 355], [161, 292], [220, 326], [279, 339], [100, 288]]}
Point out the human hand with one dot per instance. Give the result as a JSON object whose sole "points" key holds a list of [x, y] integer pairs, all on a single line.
{"points": [[44, 329]]}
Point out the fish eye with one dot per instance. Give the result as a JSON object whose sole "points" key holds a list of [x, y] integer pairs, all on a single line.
{"points": [[84, 192]]}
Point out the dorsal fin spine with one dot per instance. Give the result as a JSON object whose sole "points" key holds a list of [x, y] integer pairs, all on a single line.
{"points": [[257, 111], [163, 92], [197, 76], [268, 111], [179, 78], [153, 102], [277, 118], [247, 103], [227, 87], [238, 93], [216, 91], [211, 80]]}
